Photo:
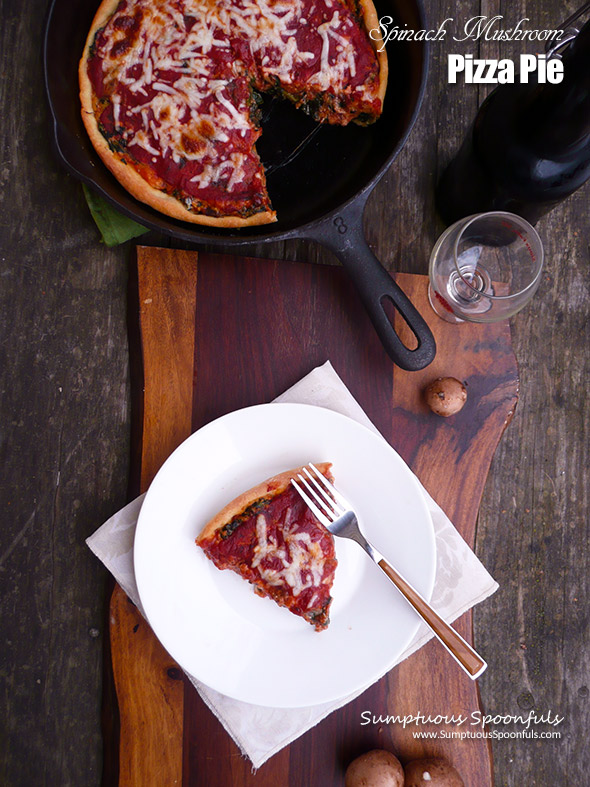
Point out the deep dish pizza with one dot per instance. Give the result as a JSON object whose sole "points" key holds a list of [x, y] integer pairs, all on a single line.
{"points": [[270, 537], [170, 91]]}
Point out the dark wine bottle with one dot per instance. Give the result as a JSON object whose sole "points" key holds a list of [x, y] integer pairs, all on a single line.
{"points": [[529, 147]]}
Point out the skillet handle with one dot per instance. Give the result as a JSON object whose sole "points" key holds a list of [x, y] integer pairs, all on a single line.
{"points": [[343, 234]]}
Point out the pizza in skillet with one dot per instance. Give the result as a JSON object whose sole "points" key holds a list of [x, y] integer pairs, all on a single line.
{"points": [[270, 537], [170, 91]]}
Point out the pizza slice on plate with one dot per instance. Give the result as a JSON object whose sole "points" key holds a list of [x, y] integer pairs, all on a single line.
{"points": [[269, 536]]}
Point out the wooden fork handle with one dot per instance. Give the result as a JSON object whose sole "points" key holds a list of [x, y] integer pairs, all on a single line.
{"points": [[472, 662]]}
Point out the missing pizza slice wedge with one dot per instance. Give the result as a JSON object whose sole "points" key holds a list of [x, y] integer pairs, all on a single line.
{"points": [[269, 536]]}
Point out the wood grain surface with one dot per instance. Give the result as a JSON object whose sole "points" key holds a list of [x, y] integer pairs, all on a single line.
{"points": [[252, 340], [65, 423]]}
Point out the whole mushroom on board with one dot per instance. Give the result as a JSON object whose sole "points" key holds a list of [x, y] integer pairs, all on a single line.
{"points": [[376, 768], [431, 772], [445, 396]]}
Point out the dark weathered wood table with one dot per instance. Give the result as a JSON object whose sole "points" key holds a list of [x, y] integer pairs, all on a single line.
{"points": [[65, 431]]}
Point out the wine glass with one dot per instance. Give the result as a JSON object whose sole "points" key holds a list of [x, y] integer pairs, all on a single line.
{"points": [[485, 268]]}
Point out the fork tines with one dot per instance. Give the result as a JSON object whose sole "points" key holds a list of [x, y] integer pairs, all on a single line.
{"points": [[320, 495], [336, 495]]}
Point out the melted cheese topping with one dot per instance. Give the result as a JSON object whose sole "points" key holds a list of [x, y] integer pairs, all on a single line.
{"points": [[178, 73], [298, 563]]}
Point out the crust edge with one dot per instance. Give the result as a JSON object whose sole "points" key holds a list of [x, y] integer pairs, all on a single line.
{"points": [[371, 22], [274, 485]]}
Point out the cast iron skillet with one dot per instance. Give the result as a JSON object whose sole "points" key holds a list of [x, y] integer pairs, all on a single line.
{"points": [[319, 179]]}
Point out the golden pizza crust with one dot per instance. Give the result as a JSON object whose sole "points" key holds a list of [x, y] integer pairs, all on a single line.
{"points": [[133, 182], [371, 20], [271, 487]]}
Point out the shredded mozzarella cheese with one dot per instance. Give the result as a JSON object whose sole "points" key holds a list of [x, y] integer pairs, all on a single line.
{"points": [[301, 558], [168, 62]]}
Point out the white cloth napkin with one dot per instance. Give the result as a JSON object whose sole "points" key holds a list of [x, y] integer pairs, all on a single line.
{"points": [[461, 582]]}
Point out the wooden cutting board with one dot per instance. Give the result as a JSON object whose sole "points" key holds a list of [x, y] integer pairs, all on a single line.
{"points": [[210, 334]]}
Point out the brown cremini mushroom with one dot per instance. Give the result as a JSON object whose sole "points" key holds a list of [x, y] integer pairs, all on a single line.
{"points": [[445, 396], [431, 772], [377, 768]]}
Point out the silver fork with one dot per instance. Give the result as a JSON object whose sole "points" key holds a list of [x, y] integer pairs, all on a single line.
{"points": [[336, 514]]}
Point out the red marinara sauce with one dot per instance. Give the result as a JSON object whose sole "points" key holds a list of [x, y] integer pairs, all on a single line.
{"points": [[290, 558]]}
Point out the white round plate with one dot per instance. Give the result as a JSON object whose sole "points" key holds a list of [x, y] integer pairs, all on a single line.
{"points": [[214, 625]]}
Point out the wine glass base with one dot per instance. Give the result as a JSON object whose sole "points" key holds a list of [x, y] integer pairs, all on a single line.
{"points": [[441, 307]]}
